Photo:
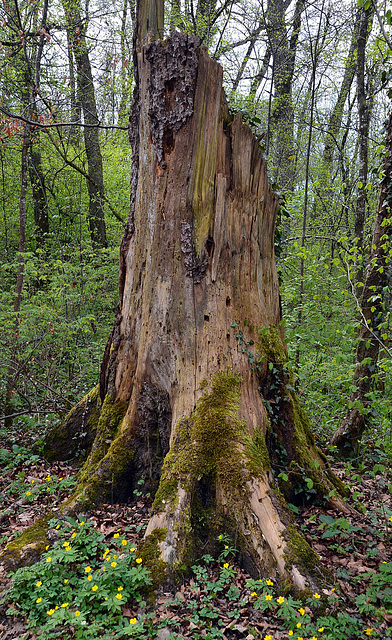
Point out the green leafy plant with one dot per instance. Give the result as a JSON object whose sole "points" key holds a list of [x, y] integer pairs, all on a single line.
{"points": [[80, 583]]}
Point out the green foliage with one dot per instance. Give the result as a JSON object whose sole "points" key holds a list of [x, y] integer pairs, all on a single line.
{"points": [[80, 583]]}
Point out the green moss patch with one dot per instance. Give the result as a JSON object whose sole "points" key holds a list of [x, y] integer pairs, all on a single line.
{"points": [[27, 549]]}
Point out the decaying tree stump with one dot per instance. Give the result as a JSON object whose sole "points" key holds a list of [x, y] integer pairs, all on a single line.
{"points": [[195, 375]]}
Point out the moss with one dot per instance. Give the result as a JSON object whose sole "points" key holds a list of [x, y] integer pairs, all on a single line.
{"points": [[271, 346], [207, 444], [150, 552], [257, 452], [27, 549], [211, 454], [73, 437], [301, 554], [109, 458]]}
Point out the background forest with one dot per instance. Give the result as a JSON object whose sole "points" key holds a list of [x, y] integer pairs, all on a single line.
{"points": [[311, 79]]}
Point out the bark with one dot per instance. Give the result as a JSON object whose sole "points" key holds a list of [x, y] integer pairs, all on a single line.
{"points": [[77, 27], [13, 366], [37, 181], [347, 437], [31, 73], [364, 113], [187, 405], [283, 51]]}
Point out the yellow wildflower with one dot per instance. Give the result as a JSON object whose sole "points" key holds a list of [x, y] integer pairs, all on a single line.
{"points": [[114, 557], [77, 614], [47, 547], [291, 632], [116, 535], [301, 611], [28, 493], [267, 637], [113, 564], [118, 596], [320, 630], [314, 638], [89, 578], [50, 612], [253, 595], [298, 625], [317, 596], [369, 632], [58, 526], [47, 478], [269, 582], [103, 568], [65, 581], [48, 559], [120, 589], [220, 537], [225, 566], [106, 553], [64, 605], [73, 535], [95, 588], [87, 570], [268, 597], [132, 549], [133, 621], [38, 600], [38, 584], [82, 523], [124, 542], [280, 600], [139, 560]]}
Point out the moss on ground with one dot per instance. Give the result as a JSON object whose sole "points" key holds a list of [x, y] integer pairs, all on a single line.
{"points": [[28, 547]]}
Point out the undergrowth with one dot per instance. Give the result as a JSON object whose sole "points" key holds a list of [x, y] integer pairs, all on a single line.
{"points": [[85, 588]]}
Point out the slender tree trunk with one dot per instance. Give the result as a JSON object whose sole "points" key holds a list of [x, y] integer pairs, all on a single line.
{"points": [[283, 50], [37, 181], [336, 117], [31, 71], [364, 113], [77, 30], [347, 437], [13, 365], [251, 45]]}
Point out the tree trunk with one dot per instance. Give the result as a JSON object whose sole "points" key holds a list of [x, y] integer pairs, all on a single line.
{"points": [[365, 105], [181, 384], [347, 437], [283, 50], [37, 181], [76, 28]]}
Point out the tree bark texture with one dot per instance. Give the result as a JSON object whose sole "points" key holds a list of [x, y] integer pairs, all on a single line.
{"points": [[347, 437], [181, 384], [76, 28]]}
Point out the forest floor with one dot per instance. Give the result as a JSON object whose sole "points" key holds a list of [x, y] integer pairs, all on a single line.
{"points": [[220, 600]]}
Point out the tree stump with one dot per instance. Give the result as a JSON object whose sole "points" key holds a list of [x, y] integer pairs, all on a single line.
{"points": [[197, 398]]}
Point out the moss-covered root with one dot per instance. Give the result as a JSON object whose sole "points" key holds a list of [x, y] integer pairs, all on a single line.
{"points": [[28, 548], [73, 437], [214, 480], [111, 454]]}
